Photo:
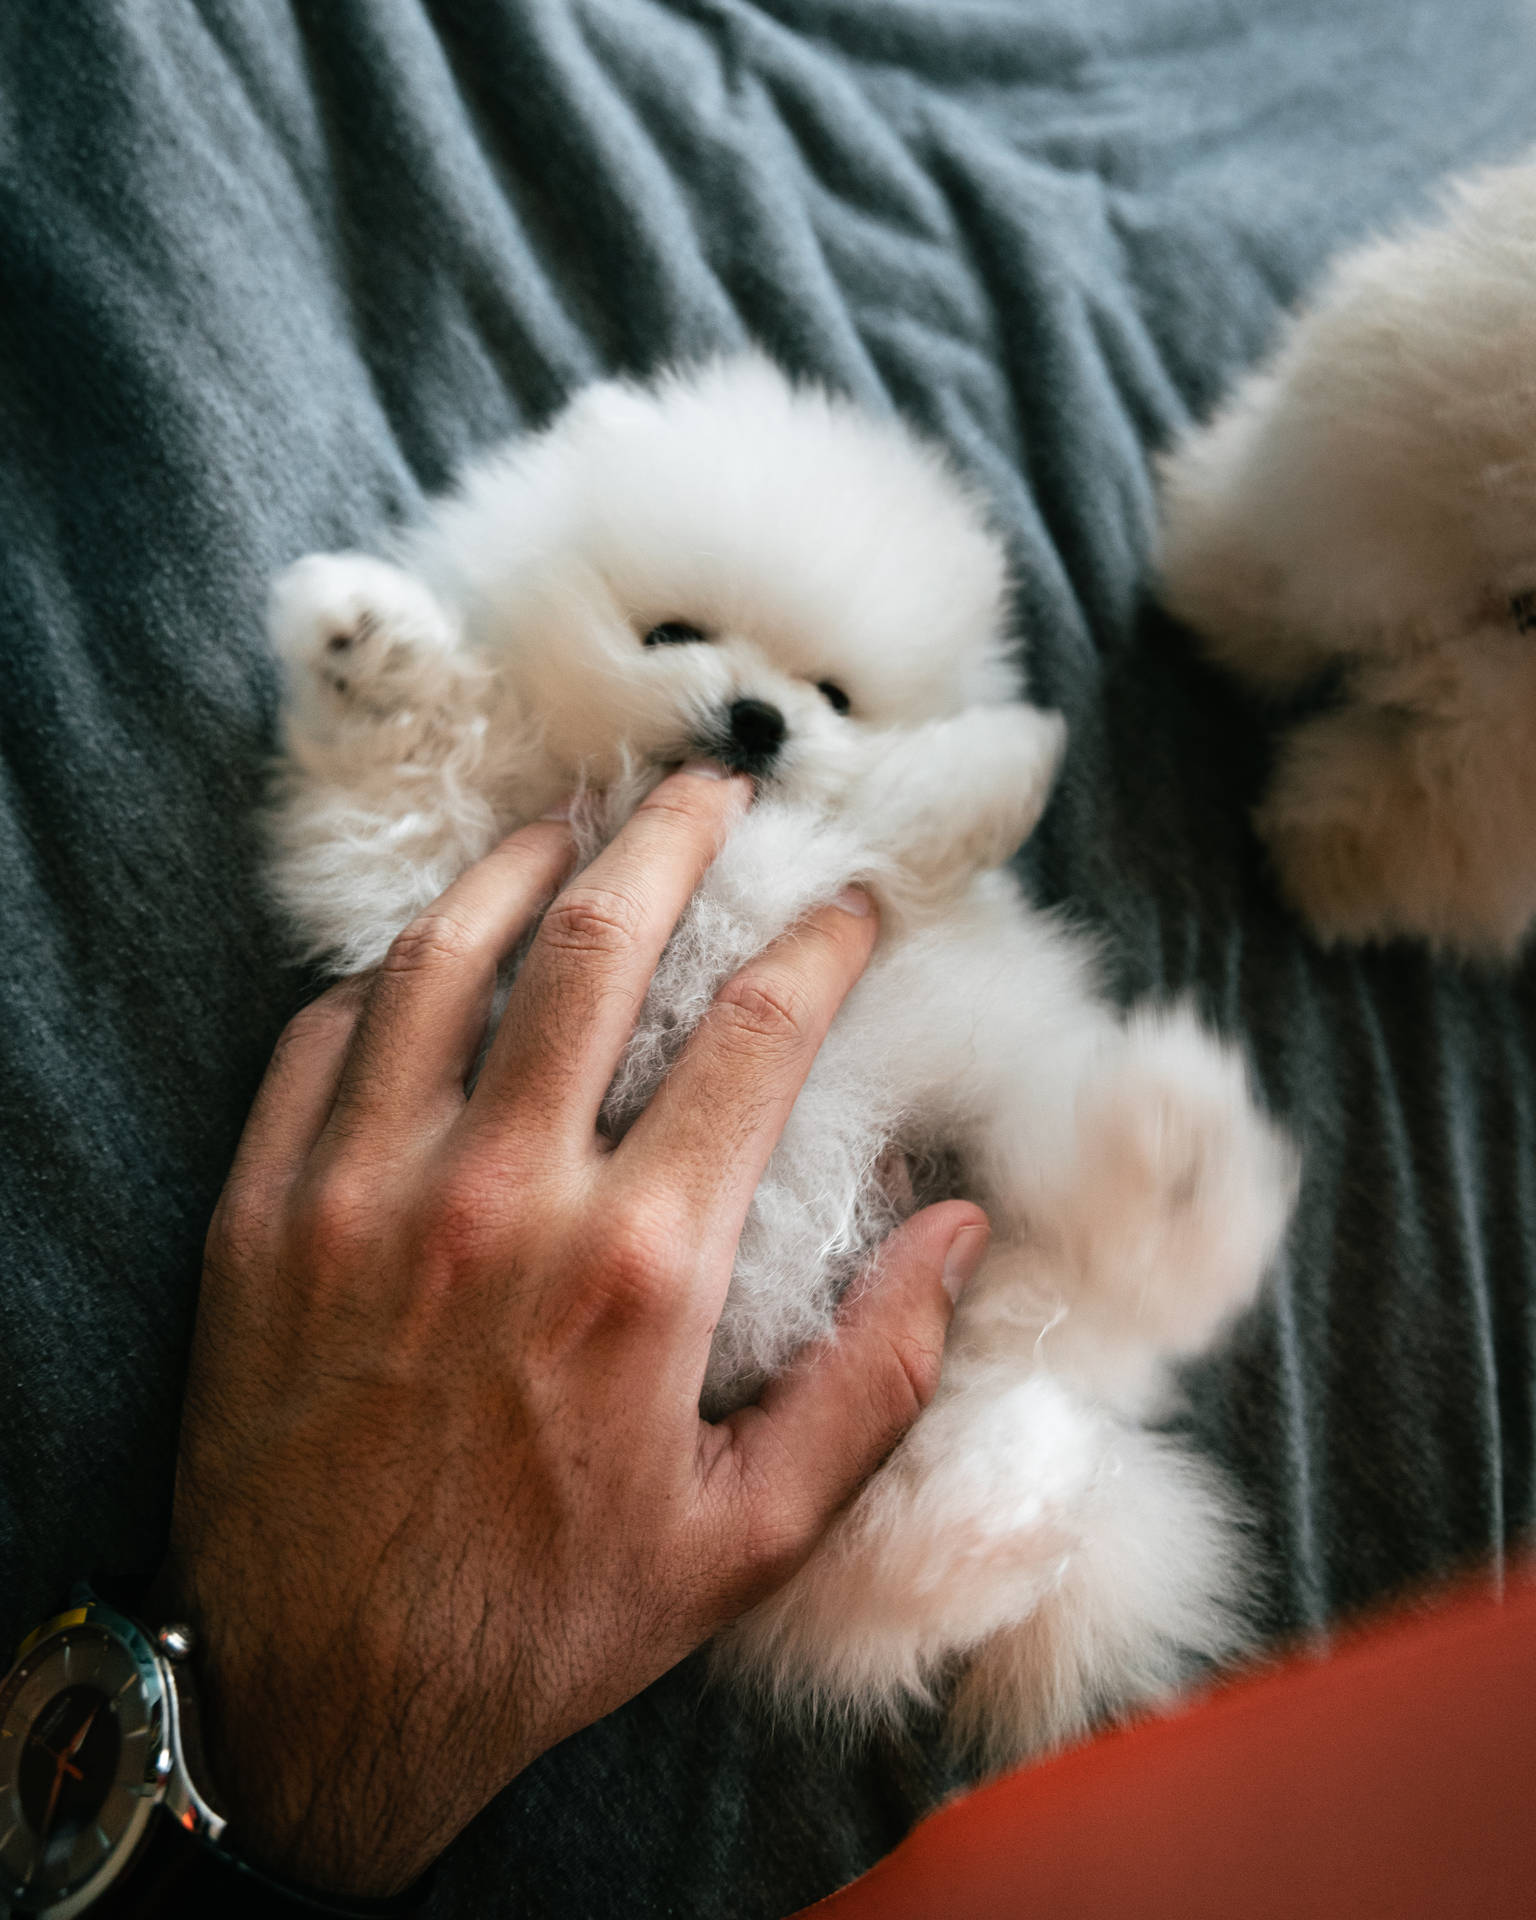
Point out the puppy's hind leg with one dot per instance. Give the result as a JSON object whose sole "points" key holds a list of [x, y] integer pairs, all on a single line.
{"points": [[961, 1534], [1178, 1193], [1062, 1563], [1155, 1205], [1152, 1590]]}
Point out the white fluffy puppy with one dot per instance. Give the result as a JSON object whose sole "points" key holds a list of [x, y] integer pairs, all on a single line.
{"points": [[1367, 499], [722, 563]]}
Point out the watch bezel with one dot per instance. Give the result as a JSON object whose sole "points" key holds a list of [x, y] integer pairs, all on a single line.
{"points": [[144, 1778]]}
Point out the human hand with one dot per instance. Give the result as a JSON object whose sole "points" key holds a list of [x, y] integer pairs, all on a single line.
{"points": [[444, 1494]]}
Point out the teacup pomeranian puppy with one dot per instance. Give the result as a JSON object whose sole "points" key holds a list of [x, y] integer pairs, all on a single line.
{"points": [[1363, 508], [724, 564]]}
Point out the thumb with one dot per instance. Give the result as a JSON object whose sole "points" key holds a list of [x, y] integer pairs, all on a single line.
{"points": [[821, 1429]]}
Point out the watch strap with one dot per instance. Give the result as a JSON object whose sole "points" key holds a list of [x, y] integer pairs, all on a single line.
{"points": [[177, 1876]]}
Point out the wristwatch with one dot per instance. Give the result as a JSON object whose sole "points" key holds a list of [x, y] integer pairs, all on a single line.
{"points": [[103, 1784]]}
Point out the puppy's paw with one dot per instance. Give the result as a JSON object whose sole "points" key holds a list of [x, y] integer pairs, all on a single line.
{"points": [[361, 639], [1183, 1189], [960, 796], [1153, 1587], [961, 1533], [1020, 748]]}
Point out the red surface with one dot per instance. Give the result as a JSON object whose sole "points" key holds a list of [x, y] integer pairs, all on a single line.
{"points": [[1394, 1780]]}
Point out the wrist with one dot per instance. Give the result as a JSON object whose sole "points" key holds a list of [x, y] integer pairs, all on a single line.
{"points": [[333, 1762], [105, 1800], [316, 1793], [312, 1787]]}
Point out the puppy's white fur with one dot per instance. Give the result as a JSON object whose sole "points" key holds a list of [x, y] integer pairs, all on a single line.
{"points": [[1368, 498], [1030, 1530]]}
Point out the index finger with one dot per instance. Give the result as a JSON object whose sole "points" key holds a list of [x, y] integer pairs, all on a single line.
{"points": [[573, 1007], [713, 1123]]}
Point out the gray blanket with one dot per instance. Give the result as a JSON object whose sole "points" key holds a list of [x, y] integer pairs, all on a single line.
{"points": [[271, 271]]}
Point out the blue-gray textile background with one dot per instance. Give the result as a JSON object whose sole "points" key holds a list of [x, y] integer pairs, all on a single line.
{"points": [[271, 270]]}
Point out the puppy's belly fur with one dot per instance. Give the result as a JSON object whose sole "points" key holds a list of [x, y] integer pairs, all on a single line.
{"points": [[901, 1070]]}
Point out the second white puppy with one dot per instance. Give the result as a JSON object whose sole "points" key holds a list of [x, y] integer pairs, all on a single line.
{"points": [[724, 564], [1368, 500]]}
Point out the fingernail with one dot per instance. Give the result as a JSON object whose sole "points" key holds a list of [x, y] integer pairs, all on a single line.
{"points": [[704, 770], [964, 1257], [562, 812], [853, 900]]}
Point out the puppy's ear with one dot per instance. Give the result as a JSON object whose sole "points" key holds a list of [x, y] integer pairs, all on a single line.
{"points": [[958, 796]]}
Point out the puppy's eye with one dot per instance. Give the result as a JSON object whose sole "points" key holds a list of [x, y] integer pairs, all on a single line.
{"points": [[834, 696], [1522, 609], [673, 633]]}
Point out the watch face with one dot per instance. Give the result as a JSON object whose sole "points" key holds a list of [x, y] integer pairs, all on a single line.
{"points": [[80, 1732]]}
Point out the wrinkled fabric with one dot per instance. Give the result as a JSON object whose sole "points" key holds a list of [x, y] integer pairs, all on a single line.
{"points": [[271, 271]]}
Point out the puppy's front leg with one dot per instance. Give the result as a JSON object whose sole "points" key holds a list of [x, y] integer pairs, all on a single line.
{"points": [[363, 643], [1171, 1207], [1129, 1151], [958, 796], [385, 795]]}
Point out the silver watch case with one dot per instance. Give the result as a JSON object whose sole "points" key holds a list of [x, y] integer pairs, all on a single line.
{"points": [[120, 1707]]}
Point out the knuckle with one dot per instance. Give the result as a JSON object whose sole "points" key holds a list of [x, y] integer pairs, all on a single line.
{"points": [[780, 1522], [238, 1225], [909, 1379], [314, 1024], [433, 940], [779, 1527], [459, 1220], [592, 920], [765, 1008], [692, 803], [776, 1544], [335, 1222], [637, 1260]]}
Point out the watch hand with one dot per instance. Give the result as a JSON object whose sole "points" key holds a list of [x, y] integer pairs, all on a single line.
{"points": [[74, 1746], [85, 1726], [53, 1797], [62, 1766]]}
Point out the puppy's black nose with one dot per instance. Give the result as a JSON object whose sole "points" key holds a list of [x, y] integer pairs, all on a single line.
{"points": [[756, 734]]}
